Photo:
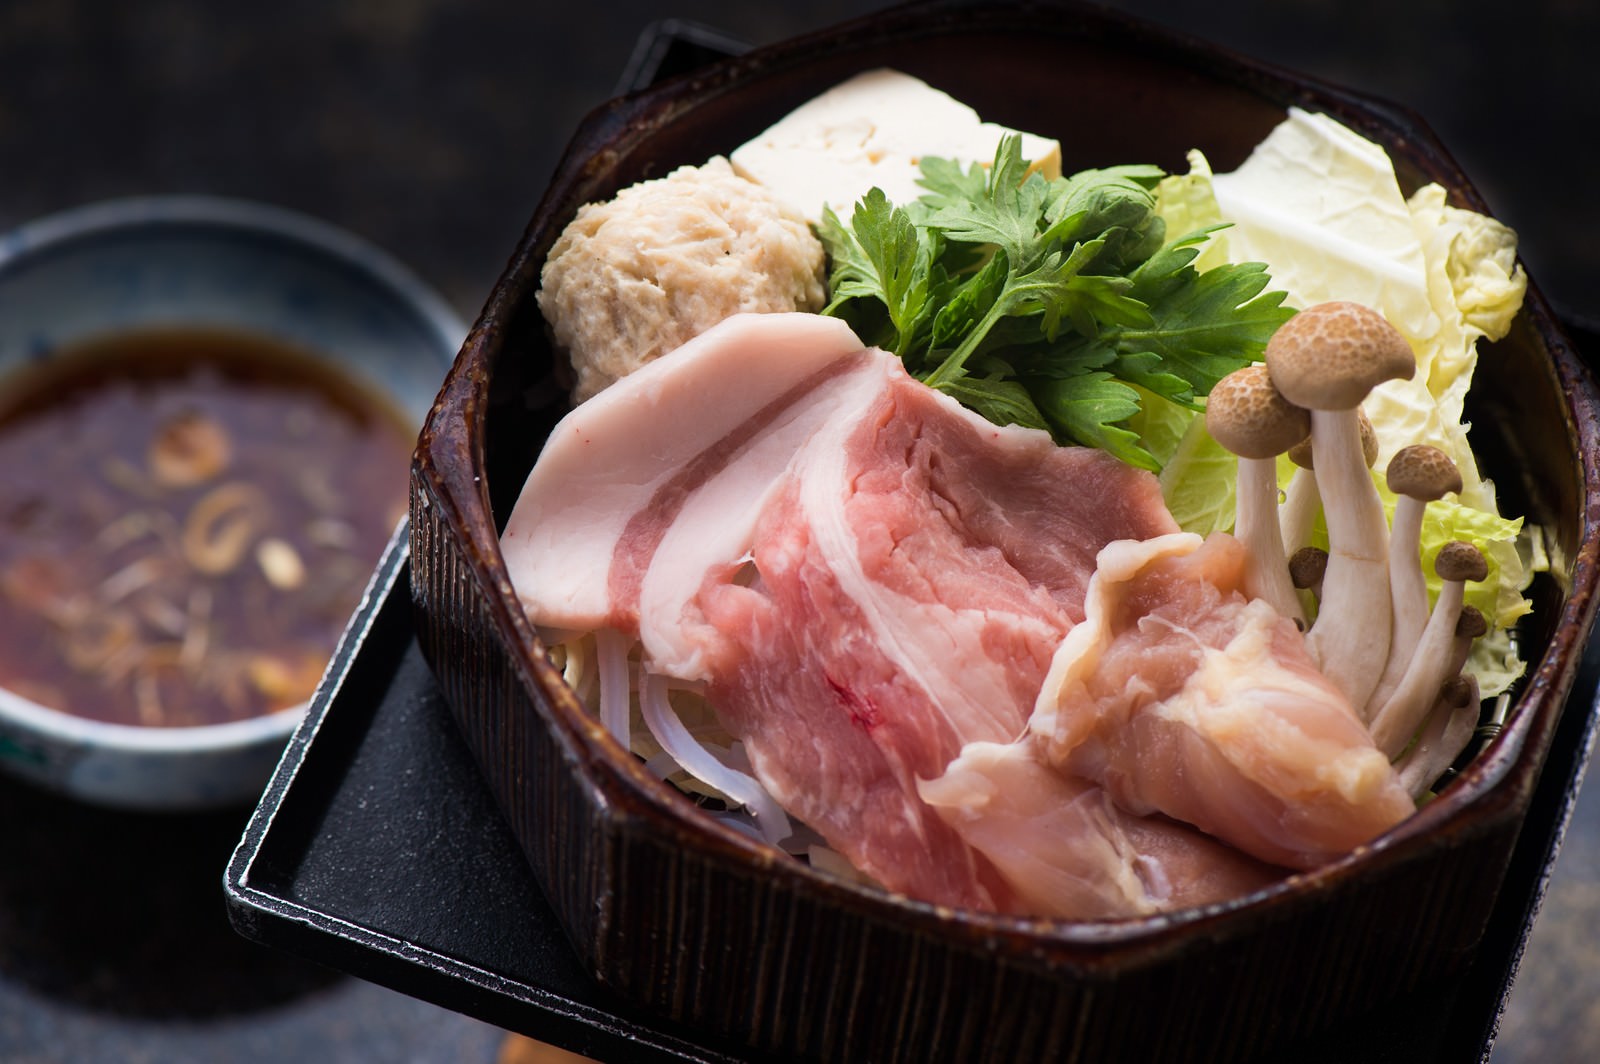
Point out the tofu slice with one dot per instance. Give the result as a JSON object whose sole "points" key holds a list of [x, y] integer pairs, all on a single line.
{"points": [[874, 130]]}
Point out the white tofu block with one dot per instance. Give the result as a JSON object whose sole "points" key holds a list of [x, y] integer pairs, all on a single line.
{"points": [[874, 130]]}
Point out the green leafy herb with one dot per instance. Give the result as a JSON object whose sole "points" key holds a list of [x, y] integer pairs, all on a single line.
{"points": [[1051, 304]]}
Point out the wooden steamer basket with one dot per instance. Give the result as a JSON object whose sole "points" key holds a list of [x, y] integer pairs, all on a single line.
{"points": [[711, 929]]}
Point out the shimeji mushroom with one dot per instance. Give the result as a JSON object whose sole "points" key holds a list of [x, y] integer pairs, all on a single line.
{"points": [[1249, 417], [1397, 720], [1302, 501], [1327, 358], [1417, 475], [1469, 627], [1449, 728]]}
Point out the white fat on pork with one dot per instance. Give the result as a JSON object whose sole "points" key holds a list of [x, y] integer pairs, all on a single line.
{"points": [[612, 458], [1180, 696]]}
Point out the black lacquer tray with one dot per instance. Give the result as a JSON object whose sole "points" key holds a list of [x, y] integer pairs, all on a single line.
{"points": [[378, 849]]}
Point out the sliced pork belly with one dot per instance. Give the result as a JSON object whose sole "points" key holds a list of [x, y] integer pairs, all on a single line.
{"points": [[729, 407], [1180, 696], [913, 579], [866, 576], [1068, 851]]}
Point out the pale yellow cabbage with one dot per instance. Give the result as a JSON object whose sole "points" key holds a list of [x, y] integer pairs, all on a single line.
{"points": [[1321, 206]]}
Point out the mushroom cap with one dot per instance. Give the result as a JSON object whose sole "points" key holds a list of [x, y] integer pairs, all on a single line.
{"points": [[1423, 472], [1329, 356], [1251, 418], [1300, 454], [1459, 560], [1472, 624], [1306, 566], [1458, 691]]}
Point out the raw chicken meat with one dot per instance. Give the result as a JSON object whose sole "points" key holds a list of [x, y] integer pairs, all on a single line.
{"points": [[1180, 696], [1069, 851]]}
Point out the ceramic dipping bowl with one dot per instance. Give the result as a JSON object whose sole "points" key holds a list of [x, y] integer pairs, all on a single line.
{"points": [[205, 263], [722, 934]]}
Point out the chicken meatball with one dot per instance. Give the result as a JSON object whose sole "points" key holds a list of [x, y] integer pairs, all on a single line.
{"points": [[634, 277]]}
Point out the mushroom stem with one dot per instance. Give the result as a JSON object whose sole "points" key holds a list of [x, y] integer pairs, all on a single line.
{"points": [[1301, 501], [1248, 416], [1328, 358], [1350, 638], [1399, 717], [1449, 729], [1255, 524], [1407, 588], [1417, 475], [1469, 627], [1408, 594]]}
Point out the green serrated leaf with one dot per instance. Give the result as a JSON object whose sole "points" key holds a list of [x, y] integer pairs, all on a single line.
{"points": [[1205, 325], [1148, 370], [1008, 212], [1049, 303], [1085, 409], [883, 256], [947, 182], [1004, 402], [970, 302], [1110, 205]]}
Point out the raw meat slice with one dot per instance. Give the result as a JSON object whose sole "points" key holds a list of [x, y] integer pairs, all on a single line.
{"points": [[1068, 851], [1180, 696], [616, 466], [913, 579]]}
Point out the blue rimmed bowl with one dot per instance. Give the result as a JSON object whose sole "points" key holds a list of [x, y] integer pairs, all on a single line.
{"points": [[192, 261]]}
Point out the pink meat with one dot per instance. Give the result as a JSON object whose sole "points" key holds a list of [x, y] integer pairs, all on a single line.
{"points": [[1069, 851], [937, 638], [866, 576], [718, 422], [1180, 696], [914, 577]]}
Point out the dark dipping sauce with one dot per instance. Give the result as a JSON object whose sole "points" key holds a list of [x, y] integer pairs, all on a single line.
{"points": [[187, 520]]}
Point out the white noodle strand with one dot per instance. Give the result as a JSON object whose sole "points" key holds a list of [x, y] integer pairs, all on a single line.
{"points": [[611, 647], [699, 762], [575, 667]]}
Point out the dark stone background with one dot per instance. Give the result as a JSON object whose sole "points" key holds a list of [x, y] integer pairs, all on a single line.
{"points": [[430, 127]]}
